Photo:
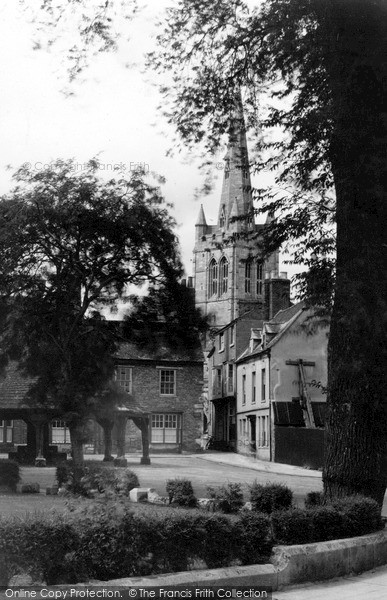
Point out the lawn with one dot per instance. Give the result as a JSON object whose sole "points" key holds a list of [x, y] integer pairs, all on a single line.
{"points": [[21, 505]]}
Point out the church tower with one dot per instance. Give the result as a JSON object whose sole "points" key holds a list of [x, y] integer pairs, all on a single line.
{"points": [[228, 274]]}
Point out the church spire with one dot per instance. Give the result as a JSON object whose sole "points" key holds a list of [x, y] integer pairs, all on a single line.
{"points": [[236, 187], [201, 224], [201, 218]]}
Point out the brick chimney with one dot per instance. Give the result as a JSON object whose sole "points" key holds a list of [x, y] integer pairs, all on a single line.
{"points": [[276, 294]]}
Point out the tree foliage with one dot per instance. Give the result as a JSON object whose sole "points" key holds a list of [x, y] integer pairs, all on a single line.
{"points": [[274, 54], [71, 245], [313, 70], [78, 29], [167, 318]]}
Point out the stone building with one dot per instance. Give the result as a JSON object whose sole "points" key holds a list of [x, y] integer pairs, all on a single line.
{"points": [[281, 376], [168, 386], [163, 410]]}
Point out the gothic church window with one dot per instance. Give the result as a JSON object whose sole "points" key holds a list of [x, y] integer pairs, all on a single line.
{"points": [[259, 277], [213, 278], [223, 276], [248, 277]]}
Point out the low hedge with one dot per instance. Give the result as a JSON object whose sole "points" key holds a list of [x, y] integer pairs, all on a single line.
{"points": [[345, 518], [98, 476], [106, 540], [9, 473]]}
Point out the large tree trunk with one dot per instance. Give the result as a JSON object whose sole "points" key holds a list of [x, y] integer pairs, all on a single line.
{"points": [[357, 355]]}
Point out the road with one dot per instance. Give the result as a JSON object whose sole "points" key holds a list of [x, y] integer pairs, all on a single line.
{"points": [[199, 471]]}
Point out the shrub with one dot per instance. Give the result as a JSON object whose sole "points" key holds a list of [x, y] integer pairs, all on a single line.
{"points": [[227, 498], [255, 538], [292, 526], [219, 541], [100, 476], [177, 540], [127, 481], [42, 546], [269, 497], [362, 515], [110, 544], [62, 473], [9, 473], [180, 492], [314, 499], [344, 518], [11, 559], [327, 523]]}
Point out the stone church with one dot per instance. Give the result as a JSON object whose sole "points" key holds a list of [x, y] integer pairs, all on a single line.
{"points": [[234, 285]]}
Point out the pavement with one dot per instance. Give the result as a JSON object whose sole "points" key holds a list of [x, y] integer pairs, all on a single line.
{"points": [[248, 462], [371, 585]]}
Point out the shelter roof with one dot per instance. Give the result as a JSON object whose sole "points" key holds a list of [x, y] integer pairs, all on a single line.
{"points": [[14, 386]]}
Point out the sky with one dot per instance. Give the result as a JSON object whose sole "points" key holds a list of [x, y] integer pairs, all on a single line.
{"points": [[111, 114]]}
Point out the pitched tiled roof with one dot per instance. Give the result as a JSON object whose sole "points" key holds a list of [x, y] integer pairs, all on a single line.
{"points": [[283, 316], [130, 351], [275, 328], [13, 387]]}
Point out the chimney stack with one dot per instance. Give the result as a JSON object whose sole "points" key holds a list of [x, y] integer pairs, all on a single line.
{"points": [[276, 295]]}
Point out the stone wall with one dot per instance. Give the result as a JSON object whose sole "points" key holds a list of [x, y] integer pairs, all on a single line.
{"points": [[186, 402]]}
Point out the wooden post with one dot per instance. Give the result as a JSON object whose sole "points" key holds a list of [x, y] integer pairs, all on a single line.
{"points": [[38, 421], [143, 424], [145, 460], [121, 420]]}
